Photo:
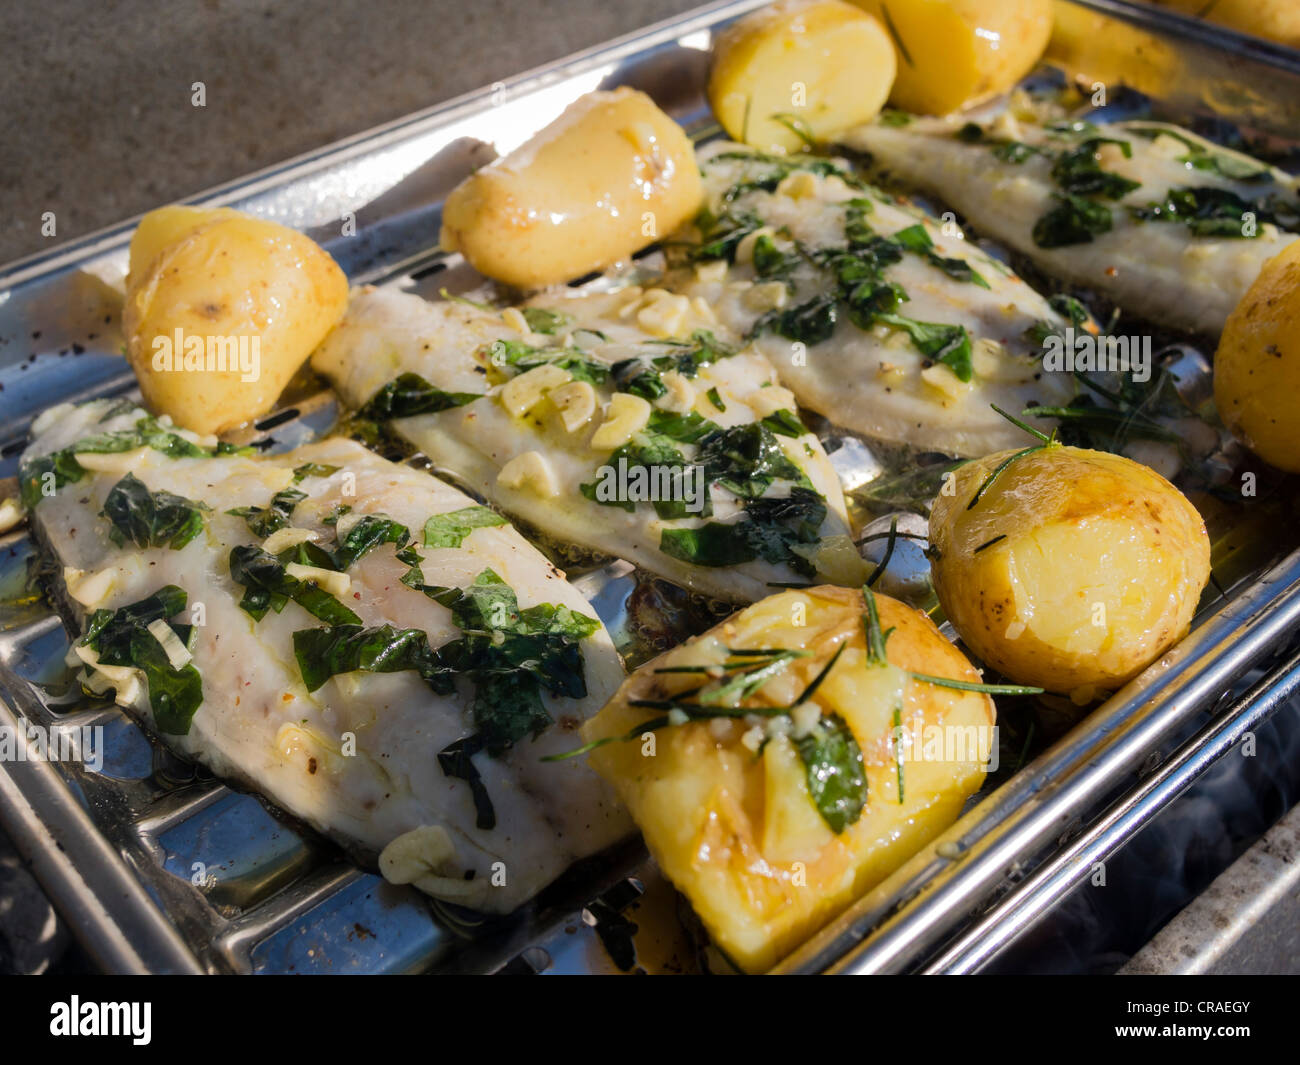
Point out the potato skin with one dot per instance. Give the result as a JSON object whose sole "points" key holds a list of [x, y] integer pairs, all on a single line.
{"points": [[961, 51], [1274, 20], [1074, 571], [576, 197], [1257, 365], [222, 274], [702, 800], [843, 59]]}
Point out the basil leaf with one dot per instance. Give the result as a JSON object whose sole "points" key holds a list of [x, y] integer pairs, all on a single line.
{"points": [[455, 761], [351, 648], [409, 395], [746, 459], [548, 322], [61, 468], [1074, 220], [809, 323], [723, 235], [151, 519], [1207, 212], [771, 262], [785, 423], [122, 638], [948, 344], [524, 357], [269, 586], [450, 529], [263, 521], [365, 535], [837, 780], [312, 469], [511, 655], [769, 529], [1077, 171]]}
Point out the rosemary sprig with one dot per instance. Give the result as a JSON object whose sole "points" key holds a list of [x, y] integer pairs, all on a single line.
{"points": [[889, 553], [702, 710], [871, 630], [972, 686], [1047, 442], [898, 747]]}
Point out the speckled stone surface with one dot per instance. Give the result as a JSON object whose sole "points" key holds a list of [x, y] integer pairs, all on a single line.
{"points": [[1246, 922], [96, 112]]}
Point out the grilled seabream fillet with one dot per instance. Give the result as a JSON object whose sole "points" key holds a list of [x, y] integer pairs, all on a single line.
{"points": [[619, 423], [1170, 226], [875, 315], [358, 641]]}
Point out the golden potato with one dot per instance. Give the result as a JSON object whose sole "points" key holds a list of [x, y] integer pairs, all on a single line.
{"points": [[608, 177], [1073, 570], [952, 53], [1274, 20], [726, 804], [810, 67], [1257, 366], [221, 310]]}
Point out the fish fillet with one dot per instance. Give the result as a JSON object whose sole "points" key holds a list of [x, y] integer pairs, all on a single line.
{"points": [[1006, 178], [359, 756], [821, 270], [655, 351]]}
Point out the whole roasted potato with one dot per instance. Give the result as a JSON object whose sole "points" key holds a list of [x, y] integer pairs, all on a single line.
{"points": [[799, 69], [221, 310], [772, 799], [1274, 20], [956, 52], [605, 179], [1257, 366], [1070, 569]]}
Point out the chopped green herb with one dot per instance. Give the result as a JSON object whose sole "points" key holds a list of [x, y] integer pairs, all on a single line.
{"points": [[263, 521], [836, 777], [451, 528], [151, 519], [409, 395], [122, 638], [543, 320], [269, 586]]}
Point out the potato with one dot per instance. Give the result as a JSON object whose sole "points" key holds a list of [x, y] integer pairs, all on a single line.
{"points": [[221, 310], [608, 177], [731, 820], [952, 53], [1257, 366], [1073, 571], [819, 66], [1274, 20]]}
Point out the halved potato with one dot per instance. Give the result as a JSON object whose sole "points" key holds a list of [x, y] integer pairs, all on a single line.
{"points": [[956, 52], [610, 176], [726, 804], [221, 310], [1073, 570], [811, 67], [1257, 366]]}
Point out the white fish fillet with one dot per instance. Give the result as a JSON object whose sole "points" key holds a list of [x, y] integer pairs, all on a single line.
{"points": [[257, 722], [1159, 270], [875, 380], [448, 344]]}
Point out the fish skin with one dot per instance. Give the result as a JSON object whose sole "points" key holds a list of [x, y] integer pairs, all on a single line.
{"points": [[1159, 271], [259, 726]]}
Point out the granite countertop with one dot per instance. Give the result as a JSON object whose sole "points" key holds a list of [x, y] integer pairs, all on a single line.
{"points": [[98, 121]]}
